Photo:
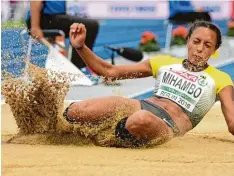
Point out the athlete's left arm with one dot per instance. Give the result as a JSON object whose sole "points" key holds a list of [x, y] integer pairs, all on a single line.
{"points": [[227, 104]]}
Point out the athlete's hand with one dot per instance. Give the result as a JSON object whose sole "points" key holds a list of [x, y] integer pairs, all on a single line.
{"points": [[37, 33], [77, 35]]}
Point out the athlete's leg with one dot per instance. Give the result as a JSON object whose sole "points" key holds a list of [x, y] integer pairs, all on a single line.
{"points": [[100, 108], [141, 128], [145, 125]]}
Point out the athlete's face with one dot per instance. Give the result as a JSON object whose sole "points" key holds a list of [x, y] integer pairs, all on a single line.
{"points": [[201, 45]]}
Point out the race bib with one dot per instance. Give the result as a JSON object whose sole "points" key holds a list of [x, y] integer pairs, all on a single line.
{"points": [[182, 87]]}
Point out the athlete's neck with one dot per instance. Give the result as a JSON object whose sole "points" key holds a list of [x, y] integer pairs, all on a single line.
{"points": [[194, 68]]}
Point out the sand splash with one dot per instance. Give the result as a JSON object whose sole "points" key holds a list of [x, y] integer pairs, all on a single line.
{"points": [[37, 104]]}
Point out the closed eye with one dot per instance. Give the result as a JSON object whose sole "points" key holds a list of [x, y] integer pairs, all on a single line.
{"points": [[195, 41], [208, 46]]}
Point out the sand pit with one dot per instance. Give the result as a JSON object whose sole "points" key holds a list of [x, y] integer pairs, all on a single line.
{"points": [[48, 145], [206, 150]]}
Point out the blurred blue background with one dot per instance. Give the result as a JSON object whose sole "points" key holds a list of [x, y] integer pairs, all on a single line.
{"points": [[123, 32]]}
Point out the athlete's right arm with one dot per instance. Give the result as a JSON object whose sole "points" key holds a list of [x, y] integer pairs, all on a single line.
{"points": [[101, 67], [35, 10]]}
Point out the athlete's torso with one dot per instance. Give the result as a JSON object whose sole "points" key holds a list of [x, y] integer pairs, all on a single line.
{"points": [[194, 92]]}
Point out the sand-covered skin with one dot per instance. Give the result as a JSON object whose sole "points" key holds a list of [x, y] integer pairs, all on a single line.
{"points": [[206, 150]]}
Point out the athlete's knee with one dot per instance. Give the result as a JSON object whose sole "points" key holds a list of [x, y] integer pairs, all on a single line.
{"points": [[140, 119], [71, 111], [76, 112], [139, 122], [131, 137]]}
